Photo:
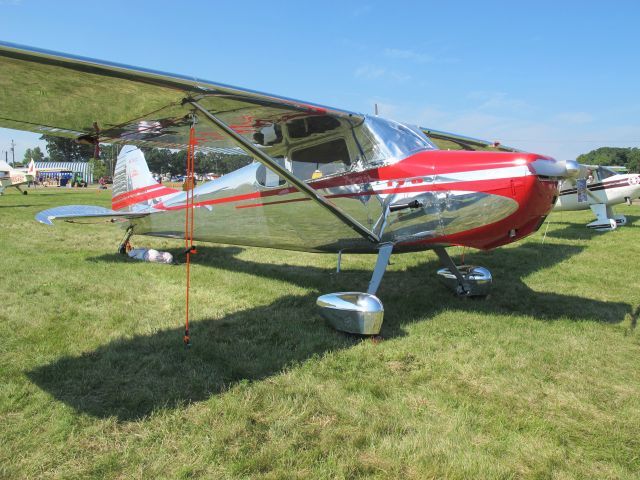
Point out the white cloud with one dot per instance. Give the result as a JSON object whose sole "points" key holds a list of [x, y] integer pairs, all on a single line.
{"points": [[575, 118], [367, 71], [373, 72], [407, 55], [362, 10], [498, 101]]}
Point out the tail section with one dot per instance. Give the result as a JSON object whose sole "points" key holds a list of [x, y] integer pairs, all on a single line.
{"points": [[32, 169], [134, 188]]}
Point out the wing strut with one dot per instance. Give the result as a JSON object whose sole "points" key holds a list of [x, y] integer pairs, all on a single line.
{"points": [[283, 172]]}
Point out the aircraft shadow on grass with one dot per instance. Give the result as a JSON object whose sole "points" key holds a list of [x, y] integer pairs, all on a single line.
{"points": [[132, 378], [579, 231]]}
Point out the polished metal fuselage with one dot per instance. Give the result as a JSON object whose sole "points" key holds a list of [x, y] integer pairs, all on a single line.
{"points": [[237, 209]]}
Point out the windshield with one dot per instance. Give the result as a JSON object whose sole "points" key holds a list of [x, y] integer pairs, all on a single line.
{"points": [[385, 141], [604, 172]]}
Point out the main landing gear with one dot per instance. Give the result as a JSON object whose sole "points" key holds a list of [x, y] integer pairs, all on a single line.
{"points": [[363, 313], [464, 280], [605, 219], [358, 312]]}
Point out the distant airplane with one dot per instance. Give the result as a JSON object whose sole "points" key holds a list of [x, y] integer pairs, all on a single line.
{"points": [[16, 177], [599, 189], [12, 177]]}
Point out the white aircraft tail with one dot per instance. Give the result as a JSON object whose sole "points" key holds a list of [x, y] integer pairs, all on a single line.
{"points": [[32, 169], [134, 188]]}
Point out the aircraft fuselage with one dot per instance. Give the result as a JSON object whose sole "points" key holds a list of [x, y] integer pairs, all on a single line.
{"points": [[481, 200]]}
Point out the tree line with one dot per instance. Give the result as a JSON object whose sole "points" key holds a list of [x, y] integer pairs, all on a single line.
{"points": [[614, 156]]}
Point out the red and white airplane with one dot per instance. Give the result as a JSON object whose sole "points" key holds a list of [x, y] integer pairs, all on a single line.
{"points": [[323, 180], [600, 189]]}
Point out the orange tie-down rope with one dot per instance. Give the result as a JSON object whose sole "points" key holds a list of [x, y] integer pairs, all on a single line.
{"points": [[188, 224]]}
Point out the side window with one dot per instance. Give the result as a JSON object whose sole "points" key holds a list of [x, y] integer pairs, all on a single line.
{"points": [[268, 178], [320, 160], [305, 127]]}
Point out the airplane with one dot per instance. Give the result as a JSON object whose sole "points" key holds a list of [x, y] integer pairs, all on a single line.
{"points": [[322, 179], [599, 188], [12, 177]]}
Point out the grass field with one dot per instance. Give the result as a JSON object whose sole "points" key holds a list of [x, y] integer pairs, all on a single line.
{"points": [[540, 380]]}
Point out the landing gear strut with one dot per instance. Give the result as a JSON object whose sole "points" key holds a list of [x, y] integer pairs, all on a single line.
{"points": [[464, 280], [122, 248], [358, 312]]}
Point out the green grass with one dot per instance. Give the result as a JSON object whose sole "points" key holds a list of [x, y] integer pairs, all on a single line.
{"points": [[540, 380]]}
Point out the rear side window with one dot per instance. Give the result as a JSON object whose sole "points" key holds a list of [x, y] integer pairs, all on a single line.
{"points": [[320, 160]]}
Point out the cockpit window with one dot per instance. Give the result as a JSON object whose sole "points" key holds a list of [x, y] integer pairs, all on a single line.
{"points": [[304, 127], [267, 177], [604, 172], [321, 159], [384, 141]]}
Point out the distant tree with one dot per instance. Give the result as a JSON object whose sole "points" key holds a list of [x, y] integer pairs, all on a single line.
{"points": [[165, 161], [28, 154], [38, 155], [615, 156], [99, 168], [67, 150], [34, 154], [633, 160], [109, 156], [162, 160], [233, 162]]}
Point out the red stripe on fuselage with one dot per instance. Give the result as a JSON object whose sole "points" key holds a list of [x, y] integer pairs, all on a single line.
{"points": [[134, 192], [501, 186], [423, 164], [251, 205], [160, 192]]}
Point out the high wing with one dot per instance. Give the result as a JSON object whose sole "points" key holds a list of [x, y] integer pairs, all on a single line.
{"points": [[94, 101]]}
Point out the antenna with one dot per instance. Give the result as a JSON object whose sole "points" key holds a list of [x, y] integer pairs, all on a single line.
{"points": [[375, 109]]}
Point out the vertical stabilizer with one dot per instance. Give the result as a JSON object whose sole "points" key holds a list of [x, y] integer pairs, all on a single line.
{"points": [[134, 188], [32, 169]]}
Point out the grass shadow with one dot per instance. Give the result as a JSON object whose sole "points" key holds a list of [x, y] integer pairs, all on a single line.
{"points": [[580, 231], [23, 205], [132, 378]]}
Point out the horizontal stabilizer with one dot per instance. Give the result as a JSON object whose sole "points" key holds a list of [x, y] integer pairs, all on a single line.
{"points": [[86, 214]]}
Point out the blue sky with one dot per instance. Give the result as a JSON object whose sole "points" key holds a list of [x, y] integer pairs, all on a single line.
{"points": [[559, 78]]}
